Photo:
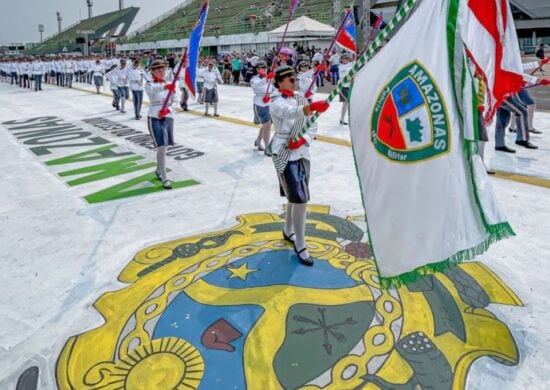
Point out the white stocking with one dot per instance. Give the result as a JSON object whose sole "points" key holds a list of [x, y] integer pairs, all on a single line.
{"points": [[161, 162], [531, 114], [288, 221], [299, 222]]}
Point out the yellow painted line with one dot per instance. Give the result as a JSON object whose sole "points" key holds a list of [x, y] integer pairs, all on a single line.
{"points": [[536, 181]]}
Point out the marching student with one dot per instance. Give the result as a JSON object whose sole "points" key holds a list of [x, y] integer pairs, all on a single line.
{"points": [[260, 83], [183, 89], [137, 78], [123, 75], [111, 75], [211, 76], [291, 157], [344, 69], [14, 72], [98, 71], [24, 70], [70, 68], [161, 126], [200, 82], [37, 70]]}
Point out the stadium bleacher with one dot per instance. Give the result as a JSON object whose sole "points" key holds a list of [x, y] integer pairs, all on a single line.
{"points": [[232, 17]]}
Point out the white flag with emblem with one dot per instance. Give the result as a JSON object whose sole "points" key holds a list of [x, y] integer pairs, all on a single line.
{"points": [[427, 199]]}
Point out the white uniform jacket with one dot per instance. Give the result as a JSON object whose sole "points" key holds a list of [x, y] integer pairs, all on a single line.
{"points": [[284, 111], [210, 78], [38, 68], [259, 86], [344, 69], [157, 94], [98, 70], [123, 76], [304, 81], [137, 77], [112, 77]]}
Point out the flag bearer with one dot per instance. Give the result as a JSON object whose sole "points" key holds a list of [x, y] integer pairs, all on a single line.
{"points": [[161, 125], [291, 157]]}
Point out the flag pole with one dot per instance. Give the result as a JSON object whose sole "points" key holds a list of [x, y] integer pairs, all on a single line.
{"points": [[402, 13], [164, 111], [316, 74], [279, 47]]}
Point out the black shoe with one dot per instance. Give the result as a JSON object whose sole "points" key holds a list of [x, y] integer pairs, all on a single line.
{"points": [[512, 130], [306, 261], [527, 144], [490, 172], [505, 149], [205, 114], [257, 145], [158, 176], [343, 123], [535, 131], [289, 238], [167, 185], [216, 114]]}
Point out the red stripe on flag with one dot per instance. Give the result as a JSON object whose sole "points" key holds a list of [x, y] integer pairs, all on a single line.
{"points": [[506, 83]]}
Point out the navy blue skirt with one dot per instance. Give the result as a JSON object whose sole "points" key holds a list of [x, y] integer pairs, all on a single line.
{"points": [[294, 181], [261, 114]]}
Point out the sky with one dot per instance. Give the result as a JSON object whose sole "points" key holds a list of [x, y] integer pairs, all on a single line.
{"points": [[19, 19]]}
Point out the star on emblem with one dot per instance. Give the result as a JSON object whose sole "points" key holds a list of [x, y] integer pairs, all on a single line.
{"points": [[241, 272]]}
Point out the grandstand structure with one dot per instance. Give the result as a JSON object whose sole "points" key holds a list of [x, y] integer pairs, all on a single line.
{"points": [[239, 25], [89, 35], [532, 19]]}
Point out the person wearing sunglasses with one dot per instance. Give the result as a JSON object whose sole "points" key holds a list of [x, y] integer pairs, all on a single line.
{"points": [[290, 151]]}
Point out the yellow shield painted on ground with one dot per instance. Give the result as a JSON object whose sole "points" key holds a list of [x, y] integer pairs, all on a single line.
{"points": [[234, 309]]}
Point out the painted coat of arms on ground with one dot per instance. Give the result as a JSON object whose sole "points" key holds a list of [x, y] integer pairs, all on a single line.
{"points": [[234, 309]]}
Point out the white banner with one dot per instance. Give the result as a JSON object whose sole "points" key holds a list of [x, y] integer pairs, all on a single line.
{"points": [[427, 203]]}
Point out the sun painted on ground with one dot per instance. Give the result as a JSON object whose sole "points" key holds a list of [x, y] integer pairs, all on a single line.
{"points": [[234, 309]]}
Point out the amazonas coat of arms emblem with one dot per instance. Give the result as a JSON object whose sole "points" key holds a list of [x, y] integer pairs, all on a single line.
{"points": [[410, 121]]}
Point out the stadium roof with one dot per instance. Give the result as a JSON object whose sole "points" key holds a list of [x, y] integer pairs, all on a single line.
{"points": [[535, 9], [110, 24]]}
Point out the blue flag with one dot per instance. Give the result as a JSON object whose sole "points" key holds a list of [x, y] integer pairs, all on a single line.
{"points": [[194, 49]]}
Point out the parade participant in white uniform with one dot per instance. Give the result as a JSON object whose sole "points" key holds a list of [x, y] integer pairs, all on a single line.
{"points": [[211, 76], [291, 157], [123, 78], [98, 71], [260, 83], [24, 71], [160, 127], [58, 67], [13, 72], [137, 78], [200, 82], [344, 69], [183, 89], [70, 68], [111, 75], [38, 70]]}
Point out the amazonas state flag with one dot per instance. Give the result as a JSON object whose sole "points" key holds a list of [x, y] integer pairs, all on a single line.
{"points": [[427, 199]]}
